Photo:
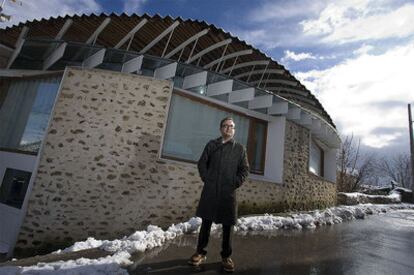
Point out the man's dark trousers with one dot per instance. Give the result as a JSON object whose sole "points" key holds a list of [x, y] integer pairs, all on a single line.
{"points": [[204, 235]]}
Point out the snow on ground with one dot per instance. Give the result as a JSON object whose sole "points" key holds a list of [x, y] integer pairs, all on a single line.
{"points": [[392, 197], [402, 189], [154, 236], [358, 198]]}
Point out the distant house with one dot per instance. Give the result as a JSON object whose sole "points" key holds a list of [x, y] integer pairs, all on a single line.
{"points": [[103, 117]]}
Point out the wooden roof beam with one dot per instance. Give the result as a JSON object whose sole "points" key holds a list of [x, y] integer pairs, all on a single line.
{"points": [[94, 36], [276, 81], [18, 46], [131, 33], [186, 43], [64, 29], [208, 49], [270, 71], [4, 47], [246, 64], [293, 90], [159, 37], [229, 56]]}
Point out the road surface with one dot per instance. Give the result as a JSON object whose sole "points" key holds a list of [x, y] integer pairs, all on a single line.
{"points": [[380, 244]]}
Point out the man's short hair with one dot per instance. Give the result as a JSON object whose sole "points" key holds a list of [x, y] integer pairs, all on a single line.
{"points": [[224, 120]]}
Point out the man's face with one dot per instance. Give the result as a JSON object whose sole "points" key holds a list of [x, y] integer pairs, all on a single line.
{"points": [[227, 129]]}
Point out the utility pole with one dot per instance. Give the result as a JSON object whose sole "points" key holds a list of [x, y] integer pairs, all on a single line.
{"points": [[410, 127]]}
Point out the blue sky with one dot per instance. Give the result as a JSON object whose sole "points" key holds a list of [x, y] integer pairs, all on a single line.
{"points": [[356, 56]]}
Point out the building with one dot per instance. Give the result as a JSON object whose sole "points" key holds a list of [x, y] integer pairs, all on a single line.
{"points": [[103, 118]]}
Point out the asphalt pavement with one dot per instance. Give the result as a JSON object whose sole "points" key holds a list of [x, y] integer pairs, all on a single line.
{"points": [[380, 244]]}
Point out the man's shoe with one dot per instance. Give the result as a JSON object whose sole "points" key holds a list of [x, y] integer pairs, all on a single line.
{"points": [[197, 259], [227, 264]]}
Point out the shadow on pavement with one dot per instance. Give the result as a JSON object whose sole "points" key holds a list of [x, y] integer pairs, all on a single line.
{"points": [[181, 267], [177, 267]]}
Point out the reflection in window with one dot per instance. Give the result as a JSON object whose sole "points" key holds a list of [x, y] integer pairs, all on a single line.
{"points": [[25, 113], [192, 123], [316, 159], [257, 145], [13, 187]]}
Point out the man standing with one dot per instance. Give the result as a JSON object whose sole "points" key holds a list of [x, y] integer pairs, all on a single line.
{"points": [[223, 167]]}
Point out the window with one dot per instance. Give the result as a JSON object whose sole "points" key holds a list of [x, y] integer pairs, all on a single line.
{"points": [[25, 112], [316, 159], [14, 186], [256, 148], [192, 123]]}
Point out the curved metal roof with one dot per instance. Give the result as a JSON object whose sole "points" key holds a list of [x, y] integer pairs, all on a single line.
{"points": [[188, 41]]}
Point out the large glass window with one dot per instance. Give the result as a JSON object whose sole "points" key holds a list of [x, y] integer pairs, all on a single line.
{"points": [[25, 112], [14, 186], [192, 123], [316, 159]]}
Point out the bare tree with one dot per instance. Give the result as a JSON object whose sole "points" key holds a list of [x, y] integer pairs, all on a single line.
{"points": [[397, 168], [354, 168]]}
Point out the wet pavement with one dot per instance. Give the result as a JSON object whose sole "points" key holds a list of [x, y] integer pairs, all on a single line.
{"points": [[380, 244]]}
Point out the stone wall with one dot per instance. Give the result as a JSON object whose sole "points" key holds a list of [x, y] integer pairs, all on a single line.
{"points": [[100, 173], [300, 190], [303, 189]]}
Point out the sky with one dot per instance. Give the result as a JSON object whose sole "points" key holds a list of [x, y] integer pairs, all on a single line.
{"points": [[355, 56]]}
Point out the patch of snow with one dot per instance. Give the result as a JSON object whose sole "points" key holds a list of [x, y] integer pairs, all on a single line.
{"points": [[105, 265], [154, 236], [315, 218], [356, 198], [402, 189]]}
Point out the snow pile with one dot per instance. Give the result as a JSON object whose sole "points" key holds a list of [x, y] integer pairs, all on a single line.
{"points": [[315, 218], [106, 265], [123, 248], [402, 189], [357, 198], [154, 236], [140, 240], [375, 190], [406, 194]]}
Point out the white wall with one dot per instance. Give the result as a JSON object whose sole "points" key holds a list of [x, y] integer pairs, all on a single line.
{"points": [[274, 151], [13, 216]]}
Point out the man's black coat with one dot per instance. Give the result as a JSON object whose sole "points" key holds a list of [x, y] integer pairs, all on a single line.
{"points": [[222, 168]]}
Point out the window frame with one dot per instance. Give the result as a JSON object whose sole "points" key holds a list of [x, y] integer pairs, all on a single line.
{"points": [[321, 161], [250, 141]]}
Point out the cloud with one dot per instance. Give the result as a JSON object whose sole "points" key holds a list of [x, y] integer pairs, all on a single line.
{"points": [[133, 6], [272, 24], [30, 10], [290, 55], [367, 94], [364, 49], [360, 20], [282, 10]]}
